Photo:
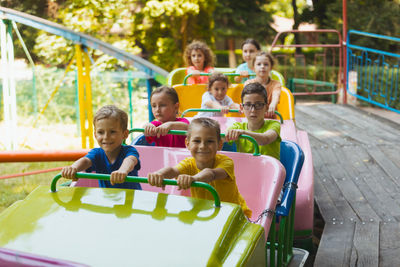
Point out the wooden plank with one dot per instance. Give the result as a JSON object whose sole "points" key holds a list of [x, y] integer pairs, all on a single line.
{"points": [[389, 240], [392, 152], [387, 165], [348, 129], [317, 129], [385, 129], [320, 166], [371, 189], [335, 161], [326, 205], [366, 244], [315, 142], [335, 246]]}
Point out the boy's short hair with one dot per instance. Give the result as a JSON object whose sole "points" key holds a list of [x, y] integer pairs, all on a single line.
{"points": [[111, 111], [255, 88], [217, 76], [207, 123], [262, 53], [173, 95]]}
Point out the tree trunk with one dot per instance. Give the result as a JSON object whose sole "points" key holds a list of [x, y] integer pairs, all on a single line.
{"points": [[232, 56], [296, 25]]}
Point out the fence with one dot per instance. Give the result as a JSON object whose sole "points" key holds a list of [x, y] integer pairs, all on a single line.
{"points": [[313, 64], [372, 74]]}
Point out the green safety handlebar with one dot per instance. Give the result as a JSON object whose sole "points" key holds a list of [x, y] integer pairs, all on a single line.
{"points": [[134, 179], [178, 132], [208, 74], [219, 110]]}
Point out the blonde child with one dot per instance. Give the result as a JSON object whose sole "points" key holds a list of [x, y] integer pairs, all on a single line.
{"points": [[265, 132], [250, 47], [165, 105], [216, 98], [110, 130], [263, 63], [199, 59], [203, 141]]}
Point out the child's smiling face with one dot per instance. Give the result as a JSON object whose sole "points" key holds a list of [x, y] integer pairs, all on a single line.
{"points": [[197, 58], [109, 134], [163, 108], [203, 145]]}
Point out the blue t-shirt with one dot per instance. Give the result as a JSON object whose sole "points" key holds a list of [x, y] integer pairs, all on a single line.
{"points": [[100, 164], [245, 67]]}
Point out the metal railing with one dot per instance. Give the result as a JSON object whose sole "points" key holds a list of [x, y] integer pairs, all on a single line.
{"points": [[320, 76], [372, 74]]}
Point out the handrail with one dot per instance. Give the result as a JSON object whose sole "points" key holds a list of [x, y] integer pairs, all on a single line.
{"points": [[219, 110], [208, 74], [372, 35], [134, 179], [178, 132]]}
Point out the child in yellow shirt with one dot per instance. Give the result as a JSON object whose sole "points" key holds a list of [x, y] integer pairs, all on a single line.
{"points": [[203, 141]]}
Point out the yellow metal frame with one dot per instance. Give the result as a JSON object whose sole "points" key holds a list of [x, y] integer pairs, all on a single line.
{"points": [[84, 97]]}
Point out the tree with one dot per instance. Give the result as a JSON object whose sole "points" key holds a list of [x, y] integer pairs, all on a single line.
{"points": [[33, 7], [241, 19], [155, 30], [165, 28]]}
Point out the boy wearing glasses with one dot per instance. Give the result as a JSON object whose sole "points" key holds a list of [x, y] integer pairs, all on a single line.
{"points": [[265, 132]]}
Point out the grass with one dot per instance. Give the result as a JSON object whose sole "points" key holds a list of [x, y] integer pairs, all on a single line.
{"points": [[15, 189]]}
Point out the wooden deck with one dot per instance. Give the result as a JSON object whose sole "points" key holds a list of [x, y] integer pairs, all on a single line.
{"points": [[357, 184]]}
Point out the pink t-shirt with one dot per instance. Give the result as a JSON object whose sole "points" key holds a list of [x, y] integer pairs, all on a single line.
{"points": [[199, 79], [169, 140]]}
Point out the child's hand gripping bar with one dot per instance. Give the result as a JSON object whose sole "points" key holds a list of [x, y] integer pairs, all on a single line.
{"points": [[134, 179], [219, 110], [208, 74], [178, 132]]}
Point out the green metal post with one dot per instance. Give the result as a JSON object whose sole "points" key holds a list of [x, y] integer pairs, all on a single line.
{"points": [[35, 103], [130, 90], [9, 95]]}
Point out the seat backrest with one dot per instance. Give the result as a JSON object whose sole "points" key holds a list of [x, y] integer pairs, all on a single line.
{"points": [[286, 104], [190, 96], [277, 76], [292, 158], [259, 178], [176, 76]]}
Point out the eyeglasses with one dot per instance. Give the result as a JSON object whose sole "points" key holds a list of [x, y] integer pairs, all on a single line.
{"points": [[256, 106]]}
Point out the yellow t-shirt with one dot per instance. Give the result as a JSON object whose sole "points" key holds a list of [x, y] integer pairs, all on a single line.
{"points": [[226, 188]]}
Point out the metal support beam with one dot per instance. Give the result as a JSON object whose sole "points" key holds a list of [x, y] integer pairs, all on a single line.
{"points": [[84, 98], [9, 95]]}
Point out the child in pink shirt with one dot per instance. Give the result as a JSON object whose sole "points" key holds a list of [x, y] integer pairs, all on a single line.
{"points": [[165, 105], [200, 59]]}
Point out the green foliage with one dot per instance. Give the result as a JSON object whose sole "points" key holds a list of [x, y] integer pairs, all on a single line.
{"points": [[380, 17], [236, 18], [164, 28], [33, 7]]}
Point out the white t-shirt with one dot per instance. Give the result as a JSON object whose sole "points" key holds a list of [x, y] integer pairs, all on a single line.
{"points": [[207, 97]]}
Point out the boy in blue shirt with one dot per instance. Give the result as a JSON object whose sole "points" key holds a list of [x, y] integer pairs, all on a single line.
{"points": [[110, 130]]}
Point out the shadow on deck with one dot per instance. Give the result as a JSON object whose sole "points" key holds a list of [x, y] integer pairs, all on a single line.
{"points": [[357, 184]]}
